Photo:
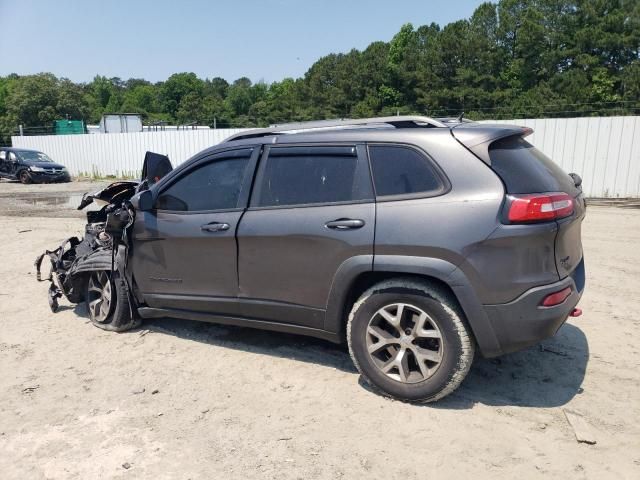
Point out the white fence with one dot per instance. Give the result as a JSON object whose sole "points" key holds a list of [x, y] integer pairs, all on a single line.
{"points": [[604, 151], [121, 153]]}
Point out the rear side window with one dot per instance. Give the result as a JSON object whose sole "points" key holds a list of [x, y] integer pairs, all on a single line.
{"points": [[401, 170], [212, 186], [309, 175], [525, 169]]}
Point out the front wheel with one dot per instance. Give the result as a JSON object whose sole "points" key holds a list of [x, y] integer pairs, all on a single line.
{"points": [[24, 177], [107, 299], [408, 339]]}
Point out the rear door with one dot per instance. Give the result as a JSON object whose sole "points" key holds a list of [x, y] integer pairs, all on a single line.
{"points": [[525, 169], [311, 209], [185, 252]]}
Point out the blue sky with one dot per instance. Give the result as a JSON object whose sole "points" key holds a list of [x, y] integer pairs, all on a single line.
{"points": [[264, 40]]}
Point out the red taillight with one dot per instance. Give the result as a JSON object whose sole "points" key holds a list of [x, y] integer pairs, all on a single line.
{"points": [[539, 207], [556, 298]]}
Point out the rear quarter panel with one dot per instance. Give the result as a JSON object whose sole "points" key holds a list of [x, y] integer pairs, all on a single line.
{"points": [[448, 226], [463, 227]]}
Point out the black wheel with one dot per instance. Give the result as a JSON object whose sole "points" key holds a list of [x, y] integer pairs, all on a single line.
{"points": [[408, 339], [107, 299], [24, 177]]}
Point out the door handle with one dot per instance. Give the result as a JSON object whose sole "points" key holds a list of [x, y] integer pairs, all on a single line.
{"points": [[214, 227], [345, 224]]}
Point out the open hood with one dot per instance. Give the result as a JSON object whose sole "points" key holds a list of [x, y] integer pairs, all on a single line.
{"points": [[115, 193], [154, 167]]}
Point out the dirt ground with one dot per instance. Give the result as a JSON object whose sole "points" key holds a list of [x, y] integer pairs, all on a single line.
{"points": [[185, 400]]}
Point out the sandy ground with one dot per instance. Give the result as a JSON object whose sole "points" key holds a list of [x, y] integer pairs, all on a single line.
{"points": [[179, 399]]}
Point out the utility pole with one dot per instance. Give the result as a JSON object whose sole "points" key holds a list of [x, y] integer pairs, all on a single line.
{"points": [[21, 131]]}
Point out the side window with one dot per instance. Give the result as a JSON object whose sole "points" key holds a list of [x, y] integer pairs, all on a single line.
{"points": [[12, 157], [212, 186], [3, 155], [310, 175], [399, 170]]}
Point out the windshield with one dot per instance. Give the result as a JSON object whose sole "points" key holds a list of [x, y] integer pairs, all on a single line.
{"points": [[31, 156]]}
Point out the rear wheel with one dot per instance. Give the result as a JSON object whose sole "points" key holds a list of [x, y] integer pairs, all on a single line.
{"points": [[107, 299], [408, 339], [24, 177]]}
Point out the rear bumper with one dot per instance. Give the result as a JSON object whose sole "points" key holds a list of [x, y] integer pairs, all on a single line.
{"points": [[523, 322]]}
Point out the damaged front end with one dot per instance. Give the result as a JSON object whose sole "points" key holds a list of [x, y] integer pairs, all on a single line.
{"points": [[104, 237], [102, 252]]}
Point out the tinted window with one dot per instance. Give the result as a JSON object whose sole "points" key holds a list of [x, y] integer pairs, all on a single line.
{"points": [[401, 171], [213, 186], [307, 175], [525, 169]]}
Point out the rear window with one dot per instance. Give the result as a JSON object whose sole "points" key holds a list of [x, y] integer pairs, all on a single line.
{"points": [[525, 169], [402, 171]]}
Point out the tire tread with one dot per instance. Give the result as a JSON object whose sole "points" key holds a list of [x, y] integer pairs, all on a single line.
{"points": [[452, 308]]}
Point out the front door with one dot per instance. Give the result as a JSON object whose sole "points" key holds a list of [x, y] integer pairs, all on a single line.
{"points": [[311, 209], [185, 252], [4, 162]]}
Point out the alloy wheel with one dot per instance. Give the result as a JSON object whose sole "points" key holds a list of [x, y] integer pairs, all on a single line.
{"points": [[404, 342], [100, 295]]}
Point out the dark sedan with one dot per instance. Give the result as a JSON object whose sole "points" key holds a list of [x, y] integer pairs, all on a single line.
{"points": [[30, 166]]}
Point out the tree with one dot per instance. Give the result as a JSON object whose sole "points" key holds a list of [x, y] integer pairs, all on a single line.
{"points": [[176, 87], [510, 58]]}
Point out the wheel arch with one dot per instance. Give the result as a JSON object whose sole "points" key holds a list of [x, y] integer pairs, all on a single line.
{"points": [[358, 274], [97, 260]]}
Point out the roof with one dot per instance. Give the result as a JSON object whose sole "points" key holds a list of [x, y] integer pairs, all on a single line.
{"points": [[469, 132], [18, 149], [409, 121]]}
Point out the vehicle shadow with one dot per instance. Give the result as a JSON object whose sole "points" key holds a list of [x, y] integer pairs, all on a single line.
{"points": [[548, 375], [284, 345]]}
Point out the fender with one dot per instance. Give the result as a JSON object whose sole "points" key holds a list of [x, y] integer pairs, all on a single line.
{"points": [[105, 259], [442, 270], [99, 259]]}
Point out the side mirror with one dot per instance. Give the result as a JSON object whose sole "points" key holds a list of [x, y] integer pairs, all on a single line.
{"points": [[143, 201]]}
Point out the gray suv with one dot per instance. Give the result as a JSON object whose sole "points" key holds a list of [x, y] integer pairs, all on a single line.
{"points": [[417, 241]]}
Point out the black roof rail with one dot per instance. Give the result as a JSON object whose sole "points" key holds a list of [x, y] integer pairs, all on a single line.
{"points": [[408, 121]]}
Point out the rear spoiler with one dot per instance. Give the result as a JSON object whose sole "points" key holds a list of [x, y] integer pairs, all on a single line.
{"points": [[478, 137]]}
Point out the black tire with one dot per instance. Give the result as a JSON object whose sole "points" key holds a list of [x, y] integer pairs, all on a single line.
{"points": [[116, 315], [454, 343], [24, 177]]}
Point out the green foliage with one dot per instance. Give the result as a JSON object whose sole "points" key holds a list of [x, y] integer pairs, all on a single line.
{"points": [[513, 58]]}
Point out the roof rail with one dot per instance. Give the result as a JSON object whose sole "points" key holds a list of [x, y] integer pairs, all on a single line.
{"points": [[408, 121]]}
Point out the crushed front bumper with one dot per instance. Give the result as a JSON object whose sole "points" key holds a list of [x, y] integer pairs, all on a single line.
{"points": [[38, 177]]}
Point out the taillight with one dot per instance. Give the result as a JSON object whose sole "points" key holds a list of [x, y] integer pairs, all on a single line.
{"points": [[556, 298], [538, 207]]}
